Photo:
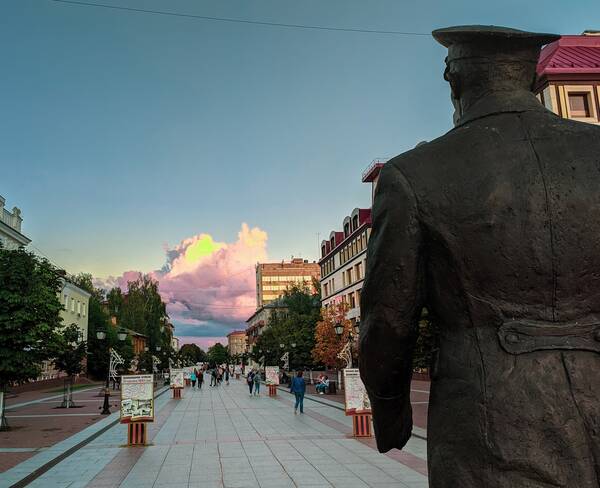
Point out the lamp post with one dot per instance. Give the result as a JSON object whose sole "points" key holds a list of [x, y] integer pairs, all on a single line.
{"points": [[339, 330], [101, 335]]}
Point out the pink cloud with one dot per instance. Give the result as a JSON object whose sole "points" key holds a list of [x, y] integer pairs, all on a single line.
{"points": [[205, 282]]}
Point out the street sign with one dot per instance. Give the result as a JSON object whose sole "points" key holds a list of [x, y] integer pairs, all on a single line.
{"points": [[137, 398]]}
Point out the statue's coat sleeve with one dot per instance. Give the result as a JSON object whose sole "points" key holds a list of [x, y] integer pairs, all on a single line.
{"points": [[391, 302]]}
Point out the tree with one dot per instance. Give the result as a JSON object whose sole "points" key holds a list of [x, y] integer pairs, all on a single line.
{"points": [[190, 354], [293, 326], [143, 310], [29, 317], [327, 343], [71, 349], [427, 341], [218, 354], [98, 355]]}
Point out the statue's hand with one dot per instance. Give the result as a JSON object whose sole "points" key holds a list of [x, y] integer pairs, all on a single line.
{"points": [[392, 420]]}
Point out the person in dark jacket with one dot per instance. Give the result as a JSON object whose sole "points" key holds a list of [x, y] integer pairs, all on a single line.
{"points": [[250, 381], [298, 388]]}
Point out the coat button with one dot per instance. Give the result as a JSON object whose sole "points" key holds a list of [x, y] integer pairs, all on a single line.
{"points": [[597, 335], [511, 338]]}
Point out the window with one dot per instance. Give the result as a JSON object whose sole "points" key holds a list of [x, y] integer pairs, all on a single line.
{"points": [[351, 300], [349, 275], [355, 222], [72, 306], [346, 229], [323, 252], [332, 241], [66, 302], [579, 104], [78, 307], [357, 271], [325, 290], [83, 309]]}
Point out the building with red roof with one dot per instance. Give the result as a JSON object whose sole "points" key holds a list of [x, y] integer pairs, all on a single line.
{"points": [[568, 77]]}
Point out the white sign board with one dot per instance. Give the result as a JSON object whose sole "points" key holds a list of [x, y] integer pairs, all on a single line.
{"points": [[176, 378], [272, 375], [355, 394], [137, 398]]}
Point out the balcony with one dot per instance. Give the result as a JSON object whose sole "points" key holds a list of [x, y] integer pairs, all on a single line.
{"points": [[373, 170]]}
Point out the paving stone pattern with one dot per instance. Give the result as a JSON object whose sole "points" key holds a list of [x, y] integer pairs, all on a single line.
{"points": [[221, 437]]}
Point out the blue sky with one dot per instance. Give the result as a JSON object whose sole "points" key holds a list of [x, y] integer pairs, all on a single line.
{"points": [[122, 132]]}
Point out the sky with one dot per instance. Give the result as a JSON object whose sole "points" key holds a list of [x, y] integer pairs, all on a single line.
{"points": [[127, 138]]}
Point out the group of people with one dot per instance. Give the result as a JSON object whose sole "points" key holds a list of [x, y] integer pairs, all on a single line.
{"points": [[217, 375], [253, 380], [322, 384], [197, 377]]}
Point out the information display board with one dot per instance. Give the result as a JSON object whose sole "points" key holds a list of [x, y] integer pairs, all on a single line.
{"points": [[176, 378], [355, 394], [137, 398], [272, 375]]}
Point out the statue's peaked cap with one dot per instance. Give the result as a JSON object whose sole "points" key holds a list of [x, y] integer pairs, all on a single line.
{"points": [[475, 34]]}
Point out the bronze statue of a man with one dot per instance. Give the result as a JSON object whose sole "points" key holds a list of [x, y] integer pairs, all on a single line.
{"points": [[495, 228]]}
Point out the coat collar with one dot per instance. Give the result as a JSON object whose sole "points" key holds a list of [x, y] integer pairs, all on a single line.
{"points": [[504, 102]]}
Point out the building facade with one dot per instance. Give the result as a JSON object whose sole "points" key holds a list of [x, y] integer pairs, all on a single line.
{"points": [[344, 255], [568, 77], [10, 227], [75, 302], [236, 342], [272, 279], [259, 320]]}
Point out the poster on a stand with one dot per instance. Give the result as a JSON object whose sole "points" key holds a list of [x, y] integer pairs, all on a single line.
{"points": [[176, 378], [355, 395], [137, 398], [272, 375]]}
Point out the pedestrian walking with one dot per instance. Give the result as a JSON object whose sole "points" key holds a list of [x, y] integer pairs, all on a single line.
{"points": [[250, 381], [227, 376], [298, 388], [213, 377], [200, 379], [193, 378], [257, 380]]}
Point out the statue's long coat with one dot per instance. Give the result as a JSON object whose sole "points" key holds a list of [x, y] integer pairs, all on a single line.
{"points": [[496, 228]]}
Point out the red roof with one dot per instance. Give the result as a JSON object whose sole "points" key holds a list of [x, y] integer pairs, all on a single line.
{"points": [[570, 55]]}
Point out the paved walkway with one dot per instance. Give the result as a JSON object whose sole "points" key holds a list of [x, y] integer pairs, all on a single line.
{"points": [[222, 437]]}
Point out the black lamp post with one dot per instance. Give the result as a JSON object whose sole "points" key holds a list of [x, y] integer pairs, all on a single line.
{"points": [[101, 335]]}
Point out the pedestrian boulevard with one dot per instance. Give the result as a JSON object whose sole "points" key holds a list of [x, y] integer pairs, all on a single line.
{"points": [[222, 437]]}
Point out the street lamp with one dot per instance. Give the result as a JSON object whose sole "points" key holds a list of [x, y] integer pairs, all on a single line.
{"points": [[101, 335], [339, 328], [281, 346]]}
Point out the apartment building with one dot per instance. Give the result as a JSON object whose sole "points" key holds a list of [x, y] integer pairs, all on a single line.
{"points": [[273, 279], [236, 342], [344, 255]]}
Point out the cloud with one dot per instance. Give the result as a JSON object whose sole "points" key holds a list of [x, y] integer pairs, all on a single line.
{"points": [[209, 286]]}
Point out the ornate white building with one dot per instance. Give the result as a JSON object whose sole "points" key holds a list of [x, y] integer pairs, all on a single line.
{"points": [[10, 227]]}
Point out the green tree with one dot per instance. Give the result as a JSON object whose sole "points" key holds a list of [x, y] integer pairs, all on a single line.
{"points": [[294, 327], [98, 355], [190, 354], [427, 341], [29, 317], [218, 354], [144, 311], [71, 349]]}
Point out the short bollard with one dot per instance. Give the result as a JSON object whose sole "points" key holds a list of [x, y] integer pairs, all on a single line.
{"points": [[136, 434], [362, 425], [177, 393], [272, 390]]}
